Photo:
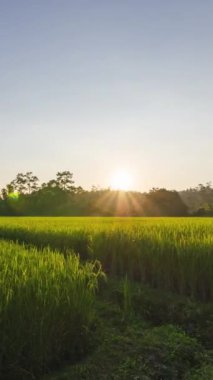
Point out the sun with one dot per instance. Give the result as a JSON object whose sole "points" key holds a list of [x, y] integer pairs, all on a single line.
{"points": [[121, 180]]}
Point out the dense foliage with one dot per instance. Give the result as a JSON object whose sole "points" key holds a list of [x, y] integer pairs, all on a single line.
{"points": [[199, 200], [59, 197]]}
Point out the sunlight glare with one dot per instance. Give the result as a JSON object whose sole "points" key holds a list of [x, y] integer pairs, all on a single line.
{"points": [[121, 180]]}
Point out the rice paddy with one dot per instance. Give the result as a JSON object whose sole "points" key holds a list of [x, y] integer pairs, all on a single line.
{"points": [[52, 271], [175, 254], [46, 308]]}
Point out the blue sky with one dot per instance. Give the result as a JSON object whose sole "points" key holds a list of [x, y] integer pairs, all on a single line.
{"points": [[92, 86]]}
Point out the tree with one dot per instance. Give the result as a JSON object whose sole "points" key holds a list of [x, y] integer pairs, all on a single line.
{"points": [[52, 184], [4, 194], [19, 183], [65, 181], [24, 183], [162, 202], [31, 182], [9, 189]]}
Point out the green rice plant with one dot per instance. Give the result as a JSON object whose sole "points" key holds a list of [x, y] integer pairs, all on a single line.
{"points": [[174, 254], [127, 297], [46, 309]]}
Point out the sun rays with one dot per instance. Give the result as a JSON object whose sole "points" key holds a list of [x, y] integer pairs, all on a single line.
{"points": [[121, 180]]}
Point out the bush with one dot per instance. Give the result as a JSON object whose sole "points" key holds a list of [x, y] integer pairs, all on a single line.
{"points": [[204, 373], [161, 307], [168, 353]]}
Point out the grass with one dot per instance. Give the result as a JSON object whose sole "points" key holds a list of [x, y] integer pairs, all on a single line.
{"points": [[46, 309], [174, 254], [131, 346], [152, 319]]}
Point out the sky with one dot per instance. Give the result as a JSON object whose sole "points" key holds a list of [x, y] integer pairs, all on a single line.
{"points": [[96, 86]]}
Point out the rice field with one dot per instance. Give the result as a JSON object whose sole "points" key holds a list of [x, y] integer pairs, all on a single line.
{"points": [[174, 254], [46, 309], [51, 270]]}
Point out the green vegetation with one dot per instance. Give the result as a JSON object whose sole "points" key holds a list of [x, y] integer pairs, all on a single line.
{"points": [[46, 309], [167, 253], [199, 200], [149, 318], [59, 197], [130, 345]]}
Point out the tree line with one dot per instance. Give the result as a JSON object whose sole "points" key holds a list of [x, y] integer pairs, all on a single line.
{"points": [[199, 199], [60, 197]]}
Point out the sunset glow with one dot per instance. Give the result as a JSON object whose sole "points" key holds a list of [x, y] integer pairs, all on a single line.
{"points": [[121, 180]]}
